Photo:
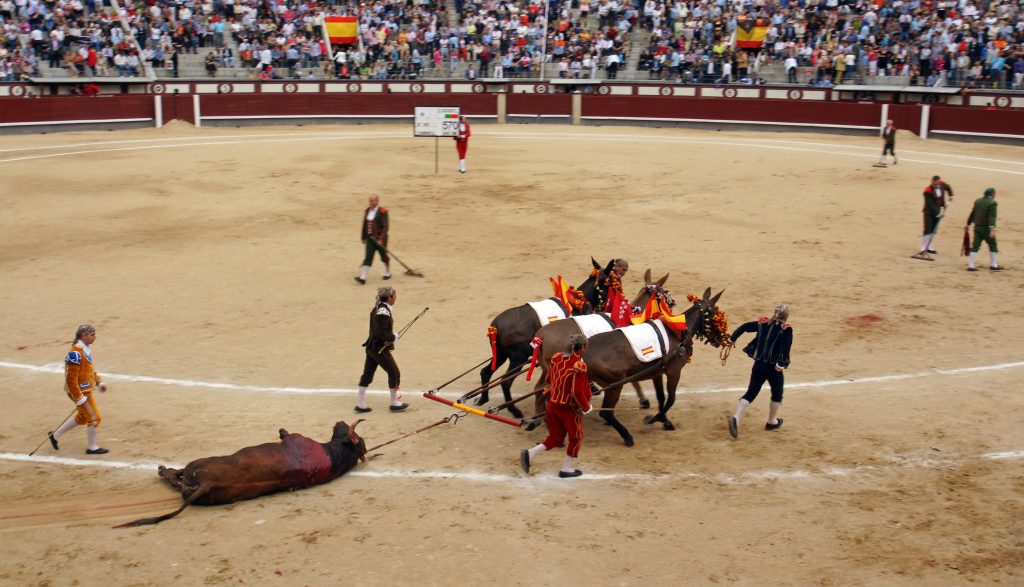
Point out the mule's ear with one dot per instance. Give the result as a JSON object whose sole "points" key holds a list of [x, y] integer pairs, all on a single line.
{"points": [[647, 276], [594, 262], [661, 282], [707, 294], [609, 267], [714, 300]]}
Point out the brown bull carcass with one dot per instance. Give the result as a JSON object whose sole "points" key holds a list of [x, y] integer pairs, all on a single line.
{"points": [[294, 463]]}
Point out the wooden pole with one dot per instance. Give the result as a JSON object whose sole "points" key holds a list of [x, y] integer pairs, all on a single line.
{"points": [[327, 41], [474, 411]]}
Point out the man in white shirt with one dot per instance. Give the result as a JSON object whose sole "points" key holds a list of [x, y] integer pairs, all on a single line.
{"points": [[791, 66]]}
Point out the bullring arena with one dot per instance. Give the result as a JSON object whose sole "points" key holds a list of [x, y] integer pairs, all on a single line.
{"points": [[217, 265]]}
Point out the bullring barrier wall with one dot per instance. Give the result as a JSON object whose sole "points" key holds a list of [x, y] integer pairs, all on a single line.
{"points": [[47, 106]]}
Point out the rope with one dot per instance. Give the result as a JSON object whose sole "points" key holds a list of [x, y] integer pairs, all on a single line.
{"points": [[454, 419], [723, 354]]}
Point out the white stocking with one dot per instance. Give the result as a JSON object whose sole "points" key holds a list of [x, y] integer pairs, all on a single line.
{"points": [[742, 407], [567, 464], [90, 434], [67, 425]]}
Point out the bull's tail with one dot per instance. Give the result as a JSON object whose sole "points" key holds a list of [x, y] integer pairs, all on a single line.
{"points": [[203, 490], [492, 335], [536, 343]]}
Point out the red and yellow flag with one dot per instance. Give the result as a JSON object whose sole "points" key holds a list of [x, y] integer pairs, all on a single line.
{"points": [[675, 322], [650, 311], [341, 30], [570, 297], [751, 35]]}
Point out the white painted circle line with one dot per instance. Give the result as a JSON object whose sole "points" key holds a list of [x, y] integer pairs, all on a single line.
{"points": [[53, 368], [895, 463], [291, 137], [485, 132]]}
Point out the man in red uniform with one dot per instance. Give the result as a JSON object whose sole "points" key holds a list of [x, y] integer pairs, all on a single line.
{"points": [[568, 400], [462, 142]]}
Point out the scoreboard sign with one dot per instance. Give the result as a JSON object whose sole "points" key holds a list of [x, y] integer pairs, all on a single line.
{"points": [[436, 121]]}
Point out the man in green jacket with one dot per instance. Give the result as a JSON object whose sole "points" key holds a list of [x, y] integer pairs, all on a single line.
{"points": [[983, 217]]}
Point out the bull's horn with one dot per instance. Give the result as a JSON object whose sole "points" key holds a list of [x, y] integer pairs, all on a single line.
{"points": [[352, 431]]}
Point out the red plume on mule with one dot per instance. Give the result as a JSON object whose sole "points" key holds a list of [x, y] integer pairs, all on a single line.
{"points": [[293, 463]]}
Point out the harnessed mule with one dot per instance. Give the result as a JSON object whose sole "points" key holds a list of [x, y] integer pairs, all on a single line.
{"points": [[513, 329], [610, 360], [554, 337]]}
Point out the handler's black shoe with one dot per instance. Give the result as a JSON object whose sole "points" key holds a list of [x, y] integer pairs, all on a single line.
{"points": [[387, 276], [770, 426], [933, 251], [363, 410], [570, 474], [995, 268], [398, 408], [734, 428], [53, 441], [98, 451], [524, 460], [360, 280], [972, 268]]}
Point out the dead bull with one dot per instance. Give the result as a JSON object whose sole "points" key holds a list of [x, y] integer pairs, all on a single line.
{"points": [[294, 463]]}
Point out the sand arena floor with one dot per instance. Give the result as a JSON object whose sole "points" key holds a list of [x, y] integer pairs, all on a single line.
{"points": [[217, 266]]}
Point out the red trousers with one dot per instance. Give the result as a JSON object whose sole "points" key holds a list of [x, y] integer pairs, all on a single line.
{"points": [[564, 420], [462, 146]]}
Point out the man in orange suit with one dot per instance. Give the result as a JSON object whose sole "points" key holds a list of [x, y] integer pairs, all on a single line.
{"points": [[80, 381], [568, 399], [462, 142]]}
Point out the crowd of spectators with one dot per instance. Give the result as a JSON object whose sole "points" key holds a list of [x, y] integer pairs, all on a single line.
{"points": [[82, 37], [973, 43]]}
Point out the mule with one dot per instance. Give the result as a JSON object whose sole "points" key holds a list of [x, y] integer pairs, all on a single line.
{"points": [[512, 330], [554, 337], [610, 359]]}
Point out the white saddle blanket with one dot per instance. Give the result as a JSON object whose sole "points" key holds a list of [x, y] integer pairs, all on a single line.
{"points": [[644, 340], [592, 324], [548, 311]]}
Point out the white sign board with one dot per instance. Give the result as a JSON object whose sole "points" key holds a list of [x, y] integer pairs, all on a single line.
{"points": [[436, 121]]}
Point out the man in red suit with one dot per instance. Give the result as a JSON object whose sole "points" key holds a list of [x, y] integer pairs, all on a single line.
{"points": [[568, 399], [462, 142]]}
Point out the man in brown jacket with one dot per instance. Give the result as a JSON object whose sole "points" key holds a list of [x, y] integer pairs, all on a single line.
{"points": [[379, 345]]}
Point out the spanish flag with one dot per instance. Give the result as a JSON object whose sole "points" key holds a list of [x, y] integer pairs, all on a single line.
{"points": [[675, 322], [650, 311], [570, 297], [341, 30], [751, 35]]}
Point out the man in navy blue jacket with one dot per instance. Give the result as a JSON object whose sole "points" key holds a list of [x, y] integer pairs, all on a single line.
{"points": [[770, 351]]}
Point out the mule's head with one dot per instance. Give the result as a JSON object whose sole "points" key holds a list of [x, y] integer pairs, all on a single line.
{"points": [[705, 321], [346, 435], [655, 289], [595, 288]]}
